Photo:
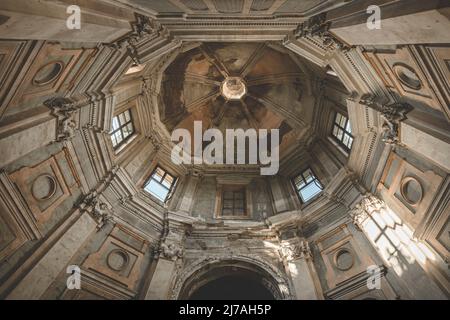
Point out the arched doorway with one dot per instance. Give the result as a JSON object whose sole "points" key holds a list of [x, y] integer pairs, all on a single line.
{"points": [[235, 285], [232, 279]]}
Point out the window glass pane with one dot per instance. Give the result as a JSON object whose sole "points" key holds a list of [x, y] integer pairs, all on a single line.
{"points": [[308, 175], [227, 203], [167, 182], [118, 136], [113, 139], [115, 123], [233, 202], [301, 184], [126, 133], [122, 119], [239, 195], [308, 188], [340, 134], [239, 203], [228, 195], [130, 127], [309, 191], [127, 115], [335, 130], [227, 212], [338, 118], [157, 190], [169, 178], [350, 143], [158, 174], [346, 139], [342, 122], [348, 128]]}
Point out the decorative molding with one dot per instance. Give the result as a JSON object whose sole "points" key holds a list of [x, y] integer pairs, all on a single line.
{"points": [[318, 26], [141, 28]]}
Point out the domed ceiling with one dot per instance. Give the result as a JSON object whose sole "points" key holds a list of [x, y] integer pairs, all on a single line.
{"points": [[238, 85]]}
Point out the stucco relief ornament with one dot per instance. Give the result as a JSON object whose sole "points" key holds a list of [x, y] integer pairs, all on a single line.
{"points": [[98, 210], [170, 251], [64, 110], [293, 251], [392, 115], [102, 214]]}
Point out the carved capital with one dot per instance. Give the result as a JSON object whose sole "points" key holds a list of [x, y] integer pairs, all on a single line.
{"points": [[171, 250], [293, 250], [365, 208]]}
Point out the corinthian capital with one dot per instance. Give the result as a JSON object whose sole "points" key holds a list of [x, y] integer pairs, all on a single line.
{"points": [[365, 208]]}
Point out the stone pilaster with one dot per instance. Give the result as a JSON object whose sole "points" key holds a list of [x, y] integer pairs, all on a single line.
{"points": [[169, 257], [68, 240], [298, 257]]}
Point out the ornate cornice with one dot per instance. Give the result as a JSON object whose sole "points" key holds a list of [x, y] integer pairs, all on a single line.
{"points": [[318, 26], [141, 28]]}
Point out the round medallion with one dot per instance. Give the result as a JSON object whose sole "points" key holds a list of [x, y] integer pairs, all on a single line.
{"points": [[411, 190], [48, 73], [117, 259], [43, 187], [233, 88], [343, 260], [407, 76]]}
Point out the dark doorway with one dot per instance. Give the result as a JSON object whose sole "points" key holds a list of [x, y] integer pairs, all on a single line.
{"points": [[232, 287]]}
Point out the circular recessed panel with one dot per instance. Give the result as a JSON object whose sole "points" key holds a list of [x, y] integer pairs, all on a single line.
{"points": [[343, 259], [118, 260], [48, 73], [407, 76], [411, 190], [43, 187], [233, 88]]}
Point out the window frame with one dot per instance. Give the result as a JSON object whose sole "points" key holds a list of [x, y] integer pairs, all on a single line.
{"points": [[169, 190], [120, 129], [340, 142], [221, 197], [297, 191]]}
